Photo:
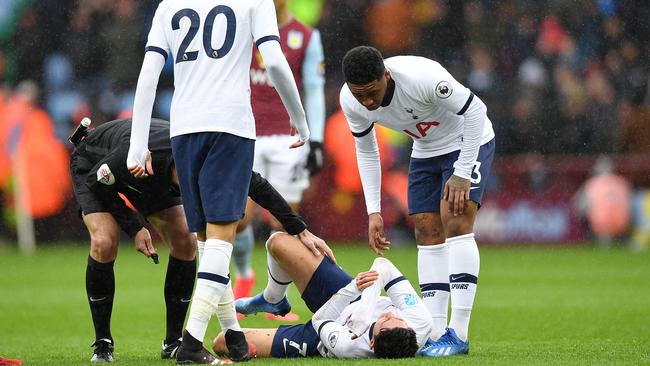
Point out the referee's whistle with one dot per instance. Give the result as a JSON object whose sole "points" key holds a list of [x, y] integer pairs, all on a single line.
{"points": [[154, 258]]}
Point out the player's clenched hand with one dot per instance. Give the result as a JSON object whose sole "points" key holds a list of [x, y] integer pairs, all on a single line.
{"points": [[140, 170], [298, 143], [366, 279], [315, 244], [376, 236], [457, 194], [143, 243]]}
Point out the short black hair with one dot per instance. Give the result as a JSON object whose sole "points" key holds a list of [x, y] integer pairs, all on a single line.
{"points": [[362, 65], [396, 343]]}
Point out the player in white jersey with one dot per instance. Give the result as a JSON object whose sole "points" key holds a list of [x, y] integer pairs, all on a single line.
{"points": [[453, 149], [212, 133], [350, 319]]}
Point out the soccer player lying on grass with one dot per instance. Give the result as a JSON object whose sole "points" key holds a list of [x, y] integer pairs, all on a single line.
{"points": [[99, 173], [351, 319]]}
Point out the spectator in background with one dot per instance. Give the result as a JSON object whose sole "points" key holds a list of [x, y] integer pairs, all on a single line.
{"points": [[604, 201]]}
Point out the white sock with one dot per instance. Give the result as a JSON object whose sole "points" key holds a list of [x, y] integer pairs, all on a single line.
{"points": [[278, 280], [433, 274], [226, 311], [212, 280], [200, 246], [464, 263]]}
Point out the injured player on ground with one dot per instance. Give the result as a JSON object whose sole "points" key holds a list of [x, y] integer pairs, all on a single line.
{"points": [[351, 319]]}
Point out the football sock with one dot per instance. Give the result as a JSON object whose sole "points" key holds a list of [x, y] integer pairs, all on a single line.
{"points": [[464, 263], [200, 246], [100, 288], [278, 280], [212, 280], [226, 311], [433, 274], [243, 251], [179, 283]]}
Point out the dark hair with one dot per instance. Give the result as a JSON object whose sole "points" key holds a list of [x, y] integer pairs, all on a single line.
{"points": [[395, 343], [362, 65]]}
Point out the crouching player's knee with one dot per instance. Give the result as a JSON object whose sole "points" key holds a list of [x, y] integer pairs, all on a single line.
{"points": [[275, 242]]}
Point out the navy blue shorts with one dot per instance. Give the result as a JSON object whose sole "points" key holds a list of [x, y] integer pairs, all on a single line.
{"points": [[214, 172], [301, 340], [427, 178]]}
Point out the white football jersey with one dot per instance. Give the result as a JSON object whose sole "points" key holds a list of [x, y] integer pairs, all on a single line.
{"points": [[427, 104], [211, 43], [336, 338]]}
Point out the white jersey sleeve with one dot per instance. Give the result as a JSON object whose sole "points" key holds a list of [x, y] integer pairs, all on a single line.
{"points": [[404, 297], [264, 23], [157, 41], [368, 159]]}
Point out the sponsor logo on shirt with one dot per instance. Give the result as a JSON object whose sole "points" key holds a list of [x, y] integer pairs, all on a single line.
{"points": [[295, 39], [410, 300]]}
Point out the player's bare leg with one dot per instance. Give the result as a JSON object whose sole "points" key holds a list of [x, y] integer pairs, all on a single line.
{"points": [[464, 264], [242, 254], [262, 339], [288, 261], [433, 272], [100, 279], [276, 226], [181, 271]]}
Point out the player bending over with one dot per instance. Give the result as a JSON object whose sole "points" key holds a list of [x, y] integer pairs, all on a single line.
{"points": [[351, 320]]}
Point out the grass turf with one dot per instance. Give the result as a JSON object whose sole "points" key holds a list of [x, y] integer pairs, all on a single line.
{"points": [[535, 306]]}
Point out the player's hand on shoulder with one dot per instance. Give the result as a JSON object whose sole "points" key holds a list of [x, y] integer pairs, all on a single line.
{"points": [[315, 244], [143, 242], [457, 194], [376, 235], [139, 166]]}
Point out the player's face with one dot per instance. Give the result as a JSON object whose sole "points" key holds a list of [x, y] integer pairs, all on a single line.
{"points": [[372, 94], [388, 320]]}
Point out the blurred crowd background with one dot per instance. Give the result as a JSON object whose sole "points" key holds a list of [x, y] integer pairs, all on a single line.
{"points": [[565, 82]]}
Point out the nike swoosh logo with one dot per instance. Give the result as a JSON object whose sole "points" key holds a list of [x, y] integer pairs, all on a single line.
{"points": [[470, 188], [284, 343], [92, 299], [456, 278], [186, 300]]}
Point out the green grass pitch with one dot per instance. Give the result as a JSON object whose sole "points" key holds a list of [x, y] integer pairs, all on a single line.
{"points": [[546, 306]]}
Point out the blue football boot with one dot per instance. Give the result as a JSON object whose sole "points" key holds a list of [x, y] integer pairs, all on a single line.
{"points": [[447, 345], [257, 304]]}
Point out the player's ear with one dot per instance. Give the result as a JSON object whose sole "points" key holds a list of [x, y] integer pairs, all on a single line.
{"points": [[372, 343]]}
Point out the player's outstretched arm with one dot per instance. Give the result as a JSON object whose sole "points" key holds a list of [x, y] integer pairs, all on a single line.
{"points": [[145, 95], [283, 81]]}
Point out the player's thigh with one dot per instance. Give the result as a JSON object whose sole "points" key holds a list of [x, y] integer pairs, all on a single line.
{"points": [[298, 261], [104, 235], [248, 216], [464, 224], [424, 185], [260, 337], [172, 227], [428, 228], [286, 169], [461, 224]]}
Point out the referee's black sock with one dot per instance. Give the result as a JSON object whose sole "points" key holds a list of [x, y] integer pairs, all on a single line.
{"points": [[179, 283], [100, 287]]}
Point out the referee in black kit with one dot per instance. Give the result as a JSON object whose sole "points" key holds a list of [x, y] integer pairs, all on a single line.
{"points": [[99, 175]]}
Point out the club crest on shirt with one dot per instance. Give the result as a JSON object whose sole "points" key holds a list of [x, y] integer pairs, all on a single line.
{"points": [[105, 176], [295, 39], [444, 90], [410, 300], [333, 337]]}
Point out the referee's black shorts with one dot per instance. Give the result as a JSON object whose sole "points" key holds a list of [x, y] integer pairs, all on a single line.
{"points": [[150, 201]]}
